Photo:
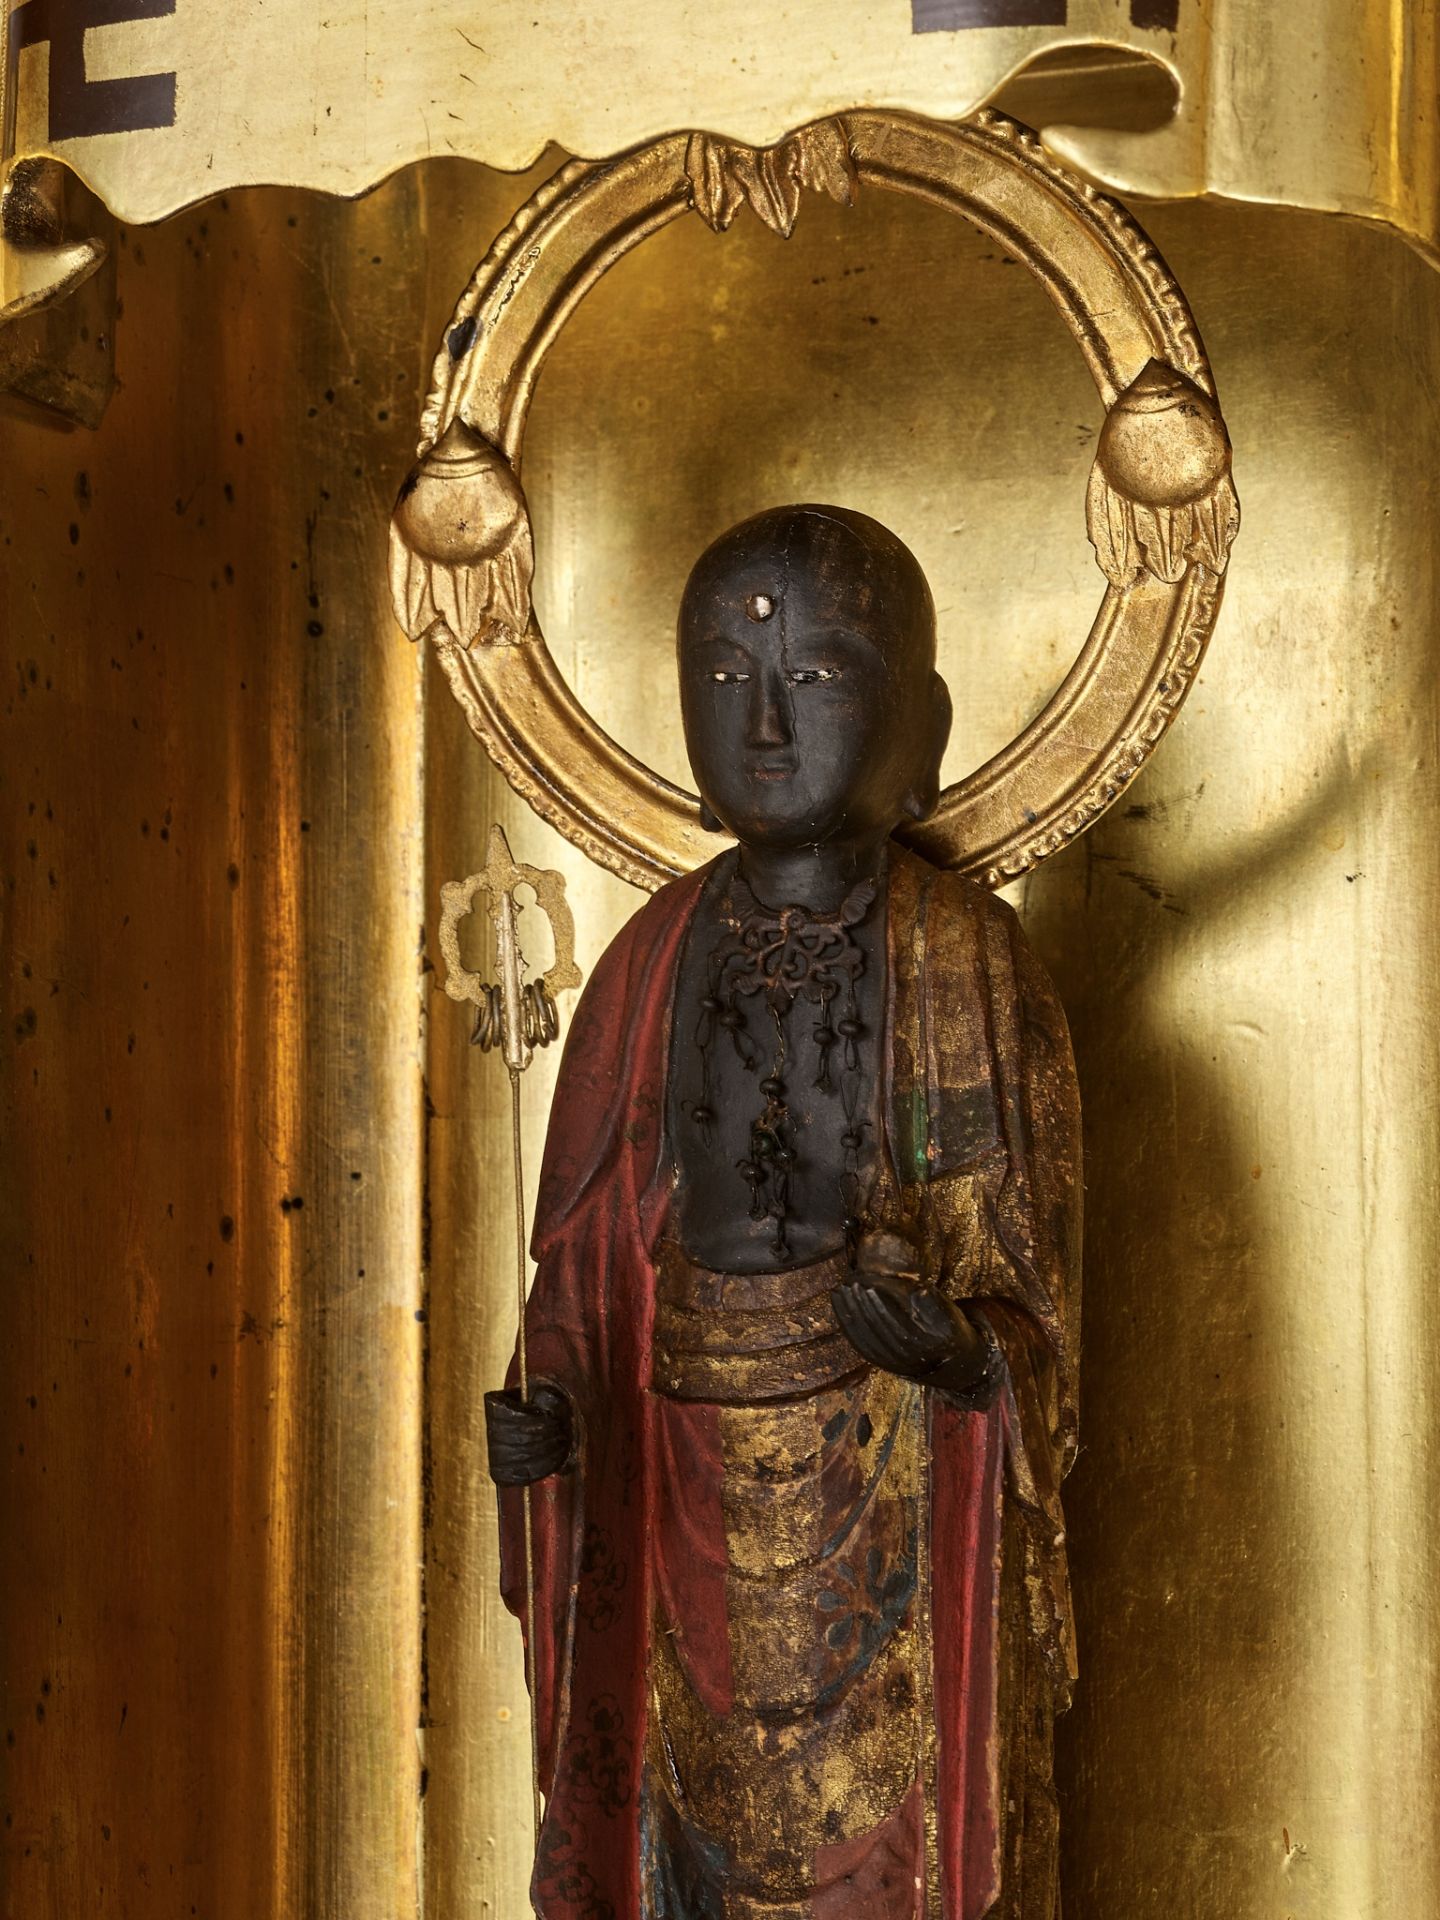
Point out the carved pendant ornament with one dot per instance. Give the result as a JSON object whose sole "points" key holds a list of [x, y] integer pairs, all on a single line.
{"points": [[1160, 498], [461, 554], [779, 1459]]}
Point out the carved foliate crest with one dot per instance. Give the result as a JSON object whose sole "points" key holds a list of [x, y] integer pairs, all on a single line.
{"points": [[461, 553], [1161, 498], [725, 177]]}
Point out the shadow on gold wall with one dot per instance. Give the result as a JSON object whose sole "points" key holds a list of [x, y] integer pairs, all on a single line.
{"points": [[255, 1202]]}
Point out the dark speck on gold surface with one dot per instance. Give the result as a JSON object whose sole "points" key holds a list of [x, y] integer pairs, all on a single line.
{"points": [[459, 337]]}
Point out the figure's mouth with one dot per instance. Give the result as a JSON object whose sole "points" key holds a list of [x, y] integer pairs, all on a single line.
{"points": [[772, 769]]}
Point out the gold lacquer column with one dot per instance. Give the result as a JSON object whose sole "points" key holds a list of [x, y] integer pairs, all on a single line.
{"points": [[211, 850], [1248, 948]]}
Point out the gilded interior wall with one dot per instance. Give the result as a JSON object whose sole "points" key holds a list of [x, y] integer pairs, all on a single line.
{"points": [[212, 873], [1248, 950], [1246, 946]]}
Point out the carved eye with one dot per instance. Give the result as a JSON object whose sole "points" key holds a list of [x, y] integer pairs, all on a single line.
{"points": [[811, 676], [727, 677]]}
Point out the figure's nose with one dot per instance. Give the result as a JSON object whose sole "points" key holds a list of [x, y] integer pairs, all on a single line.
{"points": [[769, 717]]}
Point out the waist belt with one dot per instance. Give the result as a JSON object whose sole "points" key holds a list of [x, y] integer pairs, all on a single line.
{"points": [[742, 1338]]}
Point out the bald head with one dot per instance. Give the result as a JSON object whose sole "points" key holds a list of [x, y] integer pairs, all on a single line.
{"points": [[825, 564], [807, 671]]}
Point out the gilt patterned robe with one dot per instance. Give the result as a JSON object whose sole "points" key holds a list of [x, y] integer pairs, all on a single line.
{"points": [[738, 1715]]}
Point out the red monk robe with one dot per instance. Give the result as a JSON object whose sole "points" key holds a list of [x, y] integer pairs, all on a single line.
{"points": [[982, 1123]]}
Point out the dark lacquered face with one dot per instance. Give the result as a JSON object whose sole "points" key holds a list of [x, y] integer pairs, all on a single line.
{"points": [[811, 708]]}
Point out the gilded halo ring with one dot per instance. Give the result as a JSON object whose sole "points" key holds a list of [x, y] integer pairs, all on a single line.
{"points": [[1161, 507]]}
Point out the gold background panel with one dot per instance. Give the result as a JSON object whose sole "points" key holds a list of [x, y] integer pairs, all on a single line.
{"points": [[262, 1600], [213, 1098]]}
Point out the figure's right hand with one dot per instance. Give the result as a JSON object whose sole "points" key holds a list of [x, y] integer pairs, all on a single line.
{"points": [[529, 1439]]}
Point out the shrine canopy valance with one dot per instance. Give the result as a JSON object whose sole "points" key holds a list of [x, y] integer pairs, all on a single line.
{"points": [[157, 104]]}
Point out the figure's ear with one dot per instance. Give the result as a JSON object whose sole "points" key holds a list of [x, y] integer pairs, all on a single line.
{"points": [[710, 821], [923, 798]]}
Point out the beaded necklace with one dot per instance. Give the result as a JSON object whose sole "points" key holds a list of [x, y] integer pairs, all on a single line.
{"points": [[770, 959]]}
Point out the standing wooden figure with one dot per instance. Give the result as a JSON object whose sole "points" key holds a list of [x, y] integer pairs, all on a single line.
{"points": [[803, 1332], [804, 1328]]}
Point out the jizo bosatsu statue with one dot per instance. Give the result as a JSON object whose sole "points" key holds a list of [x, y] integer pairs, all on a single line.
{"points": [[803, 1328], [803, 1335]]}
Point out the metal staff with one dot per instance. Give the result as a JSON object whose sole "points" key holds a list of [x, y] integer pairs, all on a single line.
{"points": [[516, 1016]]}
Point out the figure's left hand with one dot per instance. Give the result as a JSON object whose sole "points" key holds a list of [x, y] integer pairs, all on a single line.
{"points": [[895, 1321]]}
